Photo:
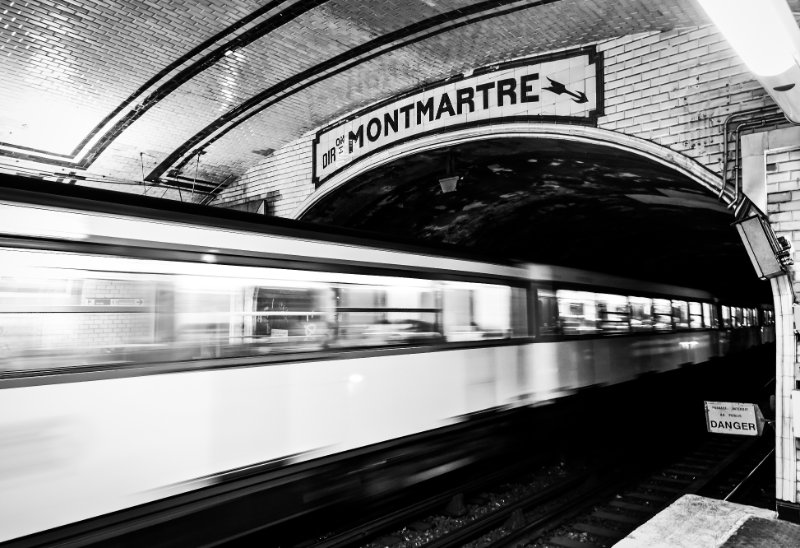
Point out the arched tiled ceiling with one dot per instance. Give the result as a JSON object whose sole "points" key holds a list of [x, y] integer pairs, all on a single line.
{"points": [[195, 93], [556, 201]]}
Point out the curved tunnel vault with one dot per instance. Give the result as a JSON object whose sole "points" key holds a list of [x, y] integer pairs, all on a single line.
{"points": [[553, 200]]}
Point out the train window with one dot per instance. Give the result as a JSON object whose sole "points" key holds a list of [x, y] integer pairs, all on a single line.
{"points": [[612, 313], [298, 316], [736, 316], [641, 313], [726, 316], [547, 312], [52, 318], [709, 319], [695, 315], [483, 311], [680, 314], [385, 315], [215, 316], [577, 312], [662, 314], [60, 310], [519, 312]]}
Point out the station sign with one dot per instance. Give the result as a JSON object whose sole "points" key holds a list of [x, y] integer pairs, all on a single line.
{"points": [[563, 87], [741, 419]]}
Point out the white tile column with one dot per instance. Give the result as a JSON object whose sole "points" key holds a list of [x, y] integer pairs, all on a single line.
{"points": [[785, 451]]}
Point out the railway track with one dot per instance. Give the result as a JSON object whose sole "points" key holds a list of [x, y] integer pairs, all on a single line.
{"points": [[604, 520], [448, 500], [593, 508]]}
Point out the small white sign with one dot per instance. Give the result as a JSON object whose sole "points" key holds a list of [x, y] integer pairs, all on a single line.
{"points": [[741, 419]]}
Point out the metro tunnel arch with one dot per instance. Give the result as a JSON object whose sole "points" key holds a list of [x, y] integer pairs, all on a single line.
{"points": [[554, 193], [574, 133]]}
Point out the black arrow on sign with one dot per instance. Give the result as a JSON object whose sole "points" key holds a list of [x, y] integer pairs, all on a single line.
{"points": [[558, 88]]}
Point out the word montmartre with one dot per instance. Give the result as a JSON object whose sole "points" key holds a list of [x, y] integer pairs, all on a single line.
{"points": [[478, 96]]}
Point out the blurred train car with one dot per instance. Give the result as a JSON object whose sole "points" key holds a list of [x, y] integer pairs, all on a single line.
{"points": [[199, 371]]}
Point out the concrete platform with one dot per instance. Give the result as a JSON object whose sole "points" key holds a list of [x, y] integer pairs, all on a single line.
{"points": [[698, 522]]}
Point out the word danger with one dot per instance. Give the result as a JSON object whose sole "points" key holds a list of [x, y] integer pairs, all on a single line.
{"points": [[733, 425], [743, 419], [563, 87]]}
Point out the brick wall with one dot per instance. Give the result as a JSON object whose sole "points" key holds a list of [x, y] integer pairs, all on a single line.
{"points": [[779, 155], [284, 179], [672, 88], [675, 89]]}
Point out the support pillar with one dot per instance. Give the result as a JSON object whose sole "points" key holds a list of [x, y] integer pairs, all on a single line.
{"points": [[785, 360]]}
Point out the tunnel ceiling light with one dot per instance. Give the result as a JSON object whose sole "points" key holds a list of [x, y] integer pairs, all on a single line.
{"points": [[764, 34]]}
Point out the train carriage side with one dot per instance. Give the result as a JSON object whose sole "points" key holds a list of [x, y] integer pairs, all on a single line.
{"points": [[145, 358], [594, 329]]}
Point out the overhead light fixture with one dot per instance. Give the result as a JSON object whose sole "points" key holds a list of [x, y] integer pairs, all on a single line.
{"points": [[449, 184], [769, 254], [765, 36]]}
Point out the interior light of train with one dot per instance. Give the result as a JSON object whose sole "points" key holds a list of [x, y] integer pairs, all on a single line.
{"points": [[473, 286], [762, 32]]}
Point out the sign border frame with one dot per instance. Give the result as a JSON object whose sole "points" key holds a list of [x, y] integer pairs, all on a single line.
{"points": [[595, 57]]}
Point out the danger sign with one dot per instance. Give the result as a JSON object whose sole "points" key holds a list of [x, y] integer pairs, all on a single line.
{"points": [[742, 419]]}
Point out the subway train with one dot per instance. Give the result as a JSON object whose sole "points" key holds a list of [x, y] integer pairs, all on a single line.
{"points": [[175, 374]]}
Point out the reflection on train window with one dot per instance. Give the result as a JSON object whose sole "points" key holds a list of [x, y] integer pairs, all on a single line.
{"points": [[288, 315], [84, 322], [381, 315], [612, 313], [726, 316], [736, 316], [641, 313], [519, 312], [482, 311], [547, 312], [709, 318], [662, 314], [60, 310], [577, 312], [695, 315], [680, 313]]}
